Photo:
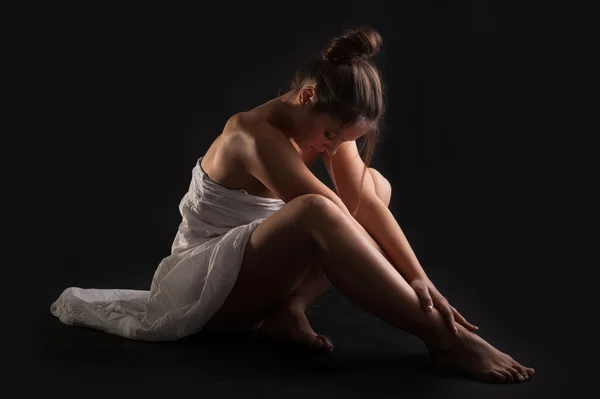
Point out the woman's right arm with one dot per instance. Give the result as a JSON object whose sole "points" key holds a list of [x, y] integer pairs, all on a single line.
{"points": [[270, 157]]}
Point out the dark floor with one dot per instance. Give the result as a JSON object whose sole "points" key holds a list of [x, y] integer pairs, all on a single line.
{"points": [[370, 358]]}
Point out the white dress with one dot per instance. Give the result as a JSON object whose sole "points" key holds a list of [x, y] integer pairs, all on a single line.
{"points": [[190, 284]]}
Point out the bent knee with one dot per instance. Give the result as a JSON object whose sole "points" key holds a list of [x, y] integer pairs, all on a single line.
{"points": [[318, 207], [380, 179], [383, 187]]}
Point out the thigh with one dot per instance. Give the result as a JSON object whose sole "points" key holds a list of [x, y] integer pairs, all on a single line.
{"points": [[276, 258]]}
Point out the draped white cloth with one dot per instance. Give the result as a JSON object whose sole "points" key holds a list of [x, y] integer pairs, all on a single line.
{"points": [[190, 284]]}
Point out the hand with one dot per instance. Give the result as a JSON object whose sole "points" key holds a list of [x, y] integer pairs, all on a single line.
{"points": [[430, 297]]}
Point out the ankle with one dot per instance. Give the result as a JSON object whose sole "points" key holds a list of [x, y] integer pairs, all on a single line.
{"points": [[294, 303], [437, 336]]}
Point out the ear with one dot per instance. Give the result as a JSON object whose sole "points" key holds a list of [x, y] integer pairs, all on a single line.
{"points": [[306, 95]]}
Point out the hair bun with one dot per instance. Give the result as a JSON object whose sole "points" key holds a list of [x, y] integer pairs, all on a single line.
{"points": [[362, 42]]}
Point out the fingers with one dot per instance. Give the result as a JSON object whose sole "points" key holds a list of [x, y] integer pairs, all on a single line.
{"points": [[449, 312], [444, 308], [462, 320], [449, 316], [426, 301]]}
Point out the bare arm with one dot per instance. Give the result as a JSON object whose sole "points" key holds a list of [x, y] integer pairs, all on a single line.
{"points": [[271, 158], [379, 221], [372, 213]]}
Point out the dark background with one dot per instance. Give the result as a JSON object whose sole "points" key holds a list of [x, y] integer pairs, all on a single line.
{"points": [[481, 99]]}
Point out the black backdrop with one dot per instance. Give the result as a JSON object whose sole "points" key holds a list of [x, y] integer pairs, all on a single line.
{"points": [[124, 101]]}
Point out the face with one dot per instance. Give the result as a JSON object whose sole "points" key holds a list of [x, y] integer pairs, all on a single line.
{"points": [[323, 133]]}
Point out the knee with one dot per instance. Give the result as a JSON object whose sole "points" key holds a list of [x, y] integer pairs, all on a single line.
{"points": [[383, 187], [317, 207], [319, 203]]}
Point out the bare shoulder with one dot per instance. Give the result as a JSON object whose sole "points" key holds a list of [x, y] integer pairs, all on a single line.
{"points": [[251, 128], [256, 138], [272, 159], [224, 161], [238, 133], [232, 158]]}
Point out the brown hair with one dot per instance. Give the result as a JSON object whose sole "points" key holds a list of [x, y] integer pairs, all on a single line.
{"points": [[348, 84]]}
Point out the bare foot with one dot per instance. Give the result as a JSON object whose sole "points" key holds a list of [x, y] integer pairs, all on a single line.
{"points": [[471, 354], [288, 323]]}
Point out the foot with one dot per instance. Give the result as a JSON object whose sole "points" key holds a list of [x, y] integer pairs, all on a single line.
{"points": [[288, 323], [471, 354]]}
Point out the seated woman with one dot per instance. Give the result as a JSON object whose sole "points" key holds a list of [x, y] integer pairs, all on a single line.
{"points": [[261, 237]]}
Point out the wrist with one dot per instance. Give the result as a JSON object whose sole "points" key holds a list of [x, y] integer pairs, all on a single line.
{"points": [[410, 277]]}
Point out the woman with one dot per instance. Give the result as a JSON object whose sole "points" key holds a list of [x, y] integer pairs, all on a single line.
{"points": [[261, 237]]}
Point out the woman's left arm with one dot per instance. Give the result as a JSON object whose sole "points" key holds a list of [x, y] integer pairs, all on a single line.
{"points": [[380, 223], [381, 229]]}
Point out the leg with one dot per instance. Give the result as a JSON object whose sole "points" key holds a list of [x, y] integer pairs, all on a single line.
{"points": [[312, 228], [289, 319], [315, 281], [365, 277], [276, 259], [383, 187]]}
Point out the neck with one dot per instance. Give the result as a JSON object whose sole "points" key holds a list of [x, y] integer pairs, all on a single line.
{"points": [[279, 114]]}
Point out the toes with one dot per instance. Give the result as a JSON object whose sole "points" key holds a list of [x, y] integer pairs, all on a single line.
{"points": [[306, 340], [527, 372], [516, 373], [326, 343], [507, 374], [496, 376], [317, 343], [521, 370]]}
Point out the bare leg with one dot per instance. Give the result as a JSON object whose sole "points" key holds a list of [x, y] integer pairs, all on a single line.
{"points": [[311, 229], [360, 272], [288, 321], [315, 282], [289, 316]]}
